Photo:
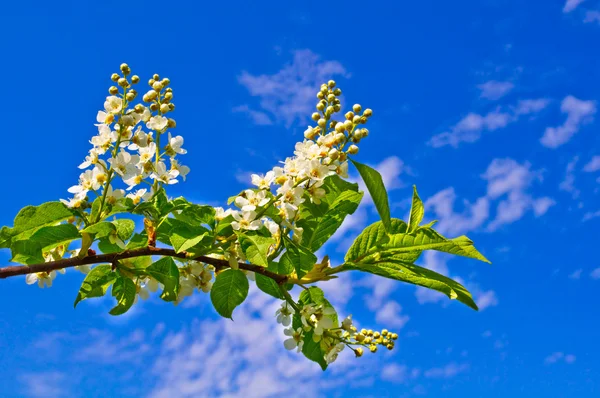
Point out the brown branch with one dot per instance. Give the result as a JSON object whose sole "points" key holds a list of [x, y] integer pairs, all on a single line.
{"points": [[110, 258]]}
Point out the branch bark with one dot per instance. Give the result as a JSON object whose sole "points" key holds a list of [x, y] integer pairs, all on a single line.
{"points": [[110, 258]]}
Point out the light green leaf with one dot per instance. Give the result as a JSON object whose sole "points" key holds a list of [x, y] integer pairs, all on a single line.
{"points": [[96, 283], [417, 211], [31, 218], [280, 267], [313, 351], [372, 237], [416, 275], [166, 272], [374, 184], [300, 257], [124, 290], [55, 235], [26, 252], [101, 229], [229, 290], [125, 228], [255, 247]]}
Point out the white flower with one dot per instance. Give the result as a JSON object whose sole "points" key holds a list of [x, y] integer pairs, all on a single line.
{"points": [[220, 213], [306, 313], [251, 200], [42, 278], [333, 354], [139, 195], [146, 154], [163, 175], [113, 104], [317, 171], [113, 195], [245, 221], [342, 170], [124, 164], [139, 140], [90, 159], [323, 320], [75, 201], [183, 170], [157, 123], [84, 269], [263, 182], [135, 179], [272, 226], [291, 194], [295, 339], [174, 146], [284, 314], [347, 323]]}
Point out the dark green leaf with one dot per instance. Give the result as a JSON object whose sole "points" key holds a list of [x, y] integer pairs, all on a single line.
{"points": [[166, 272], [374, 184], [268, 286], [313, 351], [300, 257], [96, 283], [255, 247], [371, 238], [124, 290]]}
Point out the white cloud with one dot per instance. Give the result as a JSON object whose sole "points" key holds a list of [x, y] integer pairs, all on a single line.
{"points": [[494, 89], [451, 222], [400, 374], [592, 16], [288, 96], [470, 128], [578, 112], [576, 274], [510, 178], [568, 184], [257, 117], [570, 5], [390, 315], [593, 165], [44, 384], [446, 372], [559, 356], [486, 299], [591, 214], [595, 274]]}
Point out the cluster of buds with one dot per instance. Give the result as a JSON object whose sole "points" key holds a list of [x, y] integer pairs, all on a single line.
{"points": [[132, 154], [373, 339]]}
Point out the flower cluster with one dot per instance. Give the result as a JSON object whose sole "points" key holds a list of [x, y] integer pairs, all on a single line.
{"points": [[122, 148]]}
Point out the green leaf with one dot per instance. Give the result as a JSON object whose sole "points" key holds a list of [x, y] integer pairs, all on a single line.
{"points": [[96, 283], [302, 259], [124, 290], [31, 218], [428, 239], [321, 221], [255, 247], [55, 235], [417, 211], [314, 295], [184, 236], [284, 267], [101, 229], [413, 274], [197, 214], [268, 286], [125, 228], [26, 252], [374, 184], [313, 351], [229, 290], [372, 237], [166, 272]]}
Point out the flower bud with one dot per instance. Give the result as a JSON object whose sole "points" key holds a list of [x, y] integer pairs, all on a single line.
{"points": [[384, 332], [125, 69], [322, 123], [330, 97], [339, 127], [320, 106], [363, 119], [157, 86], [356, 119], [139, 108], [123, 82], [333, 154], [358, 352], [331, 83], [115, 77], [339, 137], [352, 149], [151, 82], [329, 110], [155, 77], [359, 337], [376, 335], [164, 108], [337, 107], [171, 107], [349, 115], [113, 90], [320, 95], [368, 112], [337, 92], [309, 133], [168, 96], [343, 156], [348, 125], [394, 336], [390, 347], [171, 123], [373, 348], [165, 81], [315, 116], [130, 96], [153, 107], [356, 108], [365, 132], [135, 79]]}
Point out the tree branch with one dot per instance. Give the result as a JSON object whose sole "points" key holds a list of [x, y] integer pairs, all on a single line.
{"points": [[110, 258]]}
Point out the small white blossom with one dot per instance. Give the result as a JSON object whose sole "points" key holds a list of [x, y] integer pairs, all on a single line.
{"points": [[157, 123], [285, 313]]}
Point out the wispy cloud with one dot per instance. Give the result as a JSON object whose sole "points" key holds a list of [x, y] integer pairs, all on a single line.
{"points": [[400, 374], [494, 90], [593, 165], [578, 112], [595, 274], [570, 5], [470, 128], [48, 384], [592, 16], [576, 274], [447, 372], [568, 183], [559, 357], [288, 95]]}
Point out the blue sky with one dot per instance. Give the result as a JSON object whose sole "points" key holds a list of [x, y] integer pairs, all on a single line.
{"points": [[489, 107]]}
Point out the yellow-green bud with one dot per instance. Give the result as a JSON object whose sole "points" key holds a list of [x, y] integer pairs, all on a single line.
{"points": [[155, 76], [337, 107], [343, 156], [113, 90], [320, 106], [368, 112], [315, 116], [358, 352], [139, 108], [151, 94], [370, 332], [337, 92], [365, 132], [339, 136], [356, 108], [329, 110], [356, 119], [376, 335], [135, 79], [123, 82], [331, 83], [333, 154], [165, 81], [171, 123], [363, 119], [394, 336], [332, 124], [349, 115], [373, 348], [168, 96], [359, 337], [168, 89], [353, 150], [151, 82], [153, 107], [330, 97], [348, 125], [339, 127], [390, 347], [309, 133], [384, 332], [157, 86], [368, 340], [115, 77], [171, 107], [320, 95], [322, 123], [130, 96], [164, 108], [364, 331], [125, 69]]}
